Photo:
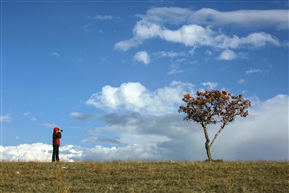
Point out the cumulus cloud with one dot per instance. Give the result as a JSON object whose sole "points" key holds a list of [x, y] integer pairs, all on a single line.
{"points": [[37, 152], [134, 97], [26, 152], [189, 35], [142, 56], [128, 94]]}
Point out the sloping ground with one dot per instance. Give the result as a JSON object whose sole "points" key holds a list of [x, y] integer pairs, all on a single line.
{"points": [[134, 176]]}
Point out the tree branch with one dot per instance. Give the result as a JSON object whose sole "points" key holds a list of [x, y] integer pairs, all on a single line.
{"points": [[222, 127]]}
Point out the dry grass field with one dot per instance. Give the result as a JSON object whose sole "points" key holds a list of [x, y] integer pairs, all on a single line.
{"points": [[136, 176]]}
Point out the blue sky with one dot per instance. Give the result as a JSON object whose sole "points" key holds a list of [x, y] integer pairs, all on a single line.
{"points": [[112, 74]]}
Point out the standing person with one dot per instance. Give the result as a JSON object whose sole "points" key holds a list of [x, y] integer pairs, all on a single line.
{"points": [[56, 136]]}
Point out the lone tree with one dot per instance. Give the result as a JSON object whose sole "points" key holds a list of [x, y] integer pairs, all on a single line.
{"points": [[212, 107]]}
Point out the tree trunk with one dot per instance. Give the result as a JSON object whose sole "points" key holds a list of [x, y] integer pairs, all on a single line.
{"points": [[207, 144], [208, 150]]}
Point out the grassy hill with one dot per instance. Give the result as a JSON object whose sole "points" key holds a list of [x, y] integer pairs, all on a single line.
{"points": [[135, 176]]}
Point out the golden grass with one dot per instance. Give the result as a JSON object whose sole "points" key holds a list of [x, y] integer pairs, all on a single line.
{"points": [[136, 176]]}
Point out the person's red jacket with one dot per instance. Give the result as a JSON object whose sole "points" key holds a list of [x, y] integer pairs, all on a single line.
{"points": [[56, 136]]}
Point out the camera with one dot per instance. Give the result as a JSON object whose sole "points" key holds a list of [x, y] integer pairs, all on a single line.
{"points": [[60, 130]]}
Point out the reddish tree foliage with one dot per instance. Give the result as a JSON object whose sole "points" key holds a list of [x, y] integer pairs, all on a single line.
{"points": [[212, 107]]}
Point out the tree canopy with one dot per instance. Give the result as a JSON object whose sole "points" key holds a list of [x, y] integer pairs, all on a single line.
{"points": [[212, 107]]}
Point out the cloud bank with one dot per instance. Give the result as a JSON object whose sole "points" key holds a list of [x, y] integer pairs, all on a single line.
{"points": [[151, 129], [69, 153]]}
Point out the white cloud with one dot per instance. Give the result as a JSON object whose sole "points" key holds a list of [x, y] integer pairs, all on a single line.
{"points": [[103, 17], [81, 116], [128, 44], [227, 55], [211, 85], [130, 95], [209, 53], [198, 28], [38, 152], [189, 35], [87, 27], [49, 125], [142, 56], [194, 35], [206, 16], [259, 40], [146, 30], [26, 152], [56, 54], [255, 40], [28, 114], [241, 81], [254, 71], [170, 54], [175, 69], [173, 15], [142, 31], [247, 18], [5, 118], [134, 97]]}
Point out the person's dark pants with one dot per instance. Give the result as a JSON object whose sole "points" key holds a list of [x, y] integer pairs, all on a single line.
{"points": [[55, 153]]}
